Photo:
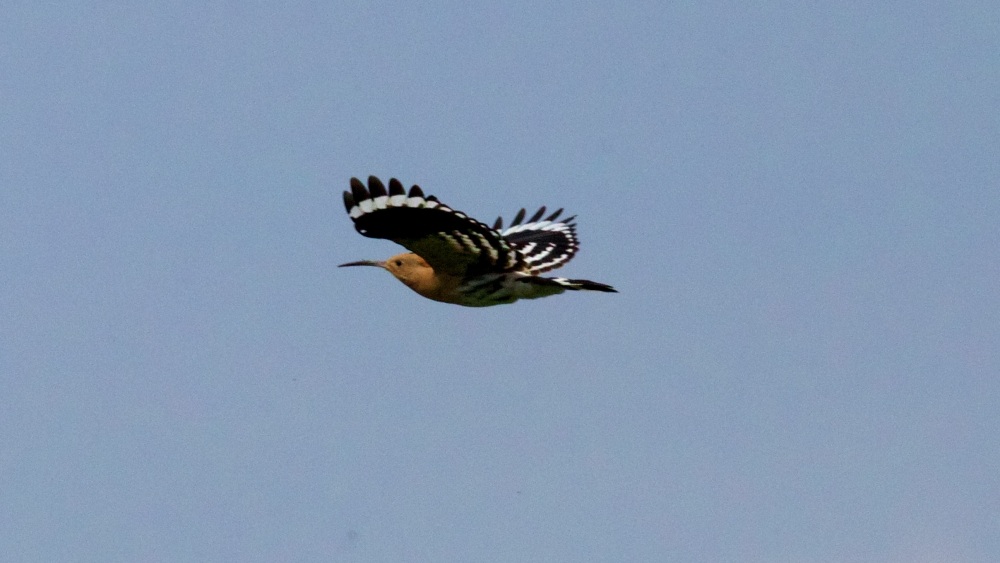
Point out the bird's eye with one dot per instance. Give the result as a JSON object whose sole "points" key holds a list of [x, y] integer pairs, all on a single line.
{"points": [[399, 262]]}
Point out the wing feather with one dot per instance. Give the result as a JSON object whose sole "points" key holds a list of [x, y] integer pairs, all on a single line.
{"points": [[450, 241], [544, 245]]}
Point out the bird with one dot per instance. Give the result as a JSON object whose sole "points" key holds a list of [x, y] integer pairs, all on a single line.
{"points": [[456, 259]]}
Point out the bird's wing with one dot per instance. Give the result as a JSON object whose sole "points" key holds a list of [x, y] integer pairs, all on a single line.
{"points": [[543, 244], [450, 241]]}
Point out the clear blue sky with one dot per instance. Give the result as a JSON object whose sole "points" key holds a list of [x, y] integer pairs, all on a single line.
{"points": [[798, 201]]}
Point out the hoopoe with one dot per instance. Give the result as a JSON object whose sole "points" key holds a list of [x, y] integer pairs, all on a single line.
{"points": [[456, 259]]}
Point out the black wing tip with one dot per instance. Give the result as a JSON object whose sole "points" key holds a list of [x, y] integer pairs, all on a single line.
{"points": [[349, 202], [538, 215], [518, 218], [376, 187], [415, 191], [395, 187], [358, 191]]}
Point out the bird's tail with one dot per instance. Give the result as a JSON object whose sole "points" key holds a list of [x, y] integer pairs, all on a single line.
{"points": [[585, 285]]}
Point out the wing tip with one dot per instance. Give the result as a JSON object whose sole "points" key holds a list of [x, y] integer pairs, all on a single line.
{"points": [[538, 215], [358, 191], [376, 187], [518, 218]]}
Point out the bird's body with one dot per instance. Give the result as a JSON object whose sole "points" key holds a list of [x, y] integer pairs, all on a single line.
{"points": [[456, 259]]}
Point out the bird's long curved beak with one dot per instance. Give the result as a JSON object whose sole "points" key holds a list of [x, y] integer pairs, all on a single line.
{"points": [[364, 263]]}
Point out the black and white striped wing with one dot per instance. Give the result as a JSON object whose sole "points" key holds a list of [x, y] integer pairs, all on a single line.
{"points": [[544, 244], [450, 241]]}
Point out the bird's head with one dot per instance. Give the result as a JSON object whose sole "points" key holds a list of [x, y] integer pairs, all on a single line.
{"points": [[408, 268]]}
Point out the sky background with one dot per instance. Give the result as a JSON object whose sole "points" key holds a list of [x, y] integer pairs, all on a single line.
{"points": [[798, 202]]}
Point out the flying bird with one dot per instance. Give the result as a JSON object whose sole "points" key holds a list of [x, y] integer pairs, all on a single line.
{"points": [[455, 259]]}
